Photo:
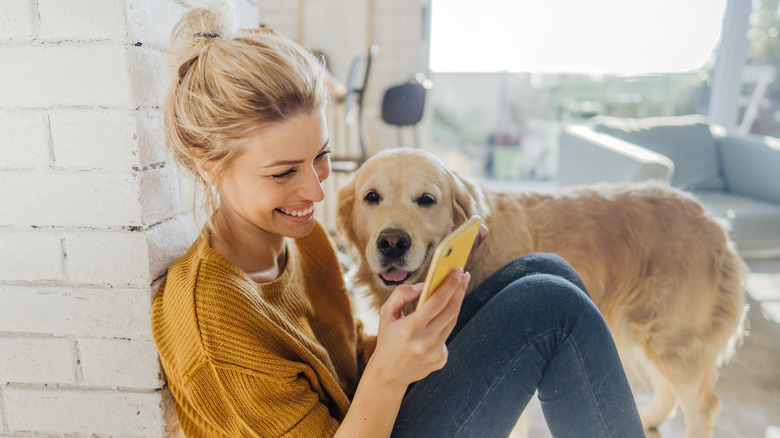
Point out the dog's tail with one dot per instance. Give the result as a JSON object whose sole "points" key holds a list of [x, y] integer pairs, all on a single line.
{"points": [[729, 315]]}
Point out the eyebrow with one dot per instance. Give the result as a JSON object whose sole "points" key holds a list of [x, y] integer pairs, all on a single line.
{"points": [[291, 162]]}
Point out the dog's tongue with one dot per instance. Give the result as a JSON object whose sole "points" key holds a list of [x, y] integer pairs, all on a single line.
{"points": [[394, 274]]}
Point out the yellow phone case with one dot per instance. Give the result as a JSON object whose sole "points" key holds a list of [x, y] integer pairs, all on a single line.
{"points": [[450, 254]]}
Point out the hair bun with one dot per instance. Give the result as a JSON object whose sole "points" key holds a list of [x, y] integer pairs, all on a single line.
{"points": [[217, 20]]}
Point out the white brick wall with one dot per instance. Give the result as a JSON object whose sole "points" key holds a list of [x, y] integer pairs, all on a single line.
{"points": [[82, 19], [92, 215], [23, 140], [105, 412], [68, 74], [43, 361], [16, 19]]}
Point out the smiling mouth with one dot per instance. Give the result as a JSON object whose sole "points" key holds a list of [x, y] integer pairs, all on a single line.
{"points": [[393, 276], [296, 213]]}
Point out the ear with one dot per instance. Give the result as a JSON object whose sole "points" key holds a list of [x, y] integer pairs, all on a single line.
{"points": [[206, 169], [468, 199], [345, 199]]}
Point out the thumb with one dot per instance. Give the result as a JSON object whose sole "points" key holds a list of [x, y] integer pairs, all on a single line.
{"points": [[402, 295]]}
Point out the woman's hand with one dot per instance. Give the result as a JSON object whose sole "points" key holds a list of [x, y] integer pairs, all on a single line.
{"points": [[409, 347]]}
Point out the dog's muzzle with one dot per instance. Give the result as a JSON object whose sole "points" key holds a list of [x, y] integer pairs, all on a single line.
{"points": [[393, 244]]}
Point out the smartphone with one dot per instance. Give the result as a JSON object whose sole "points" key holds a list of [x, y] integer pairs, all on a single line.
{"points": [[450, 254]]}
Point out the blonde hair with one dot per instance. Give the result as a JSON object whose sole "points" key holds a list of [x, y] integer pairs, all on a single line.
{"points": [[228, 84]]}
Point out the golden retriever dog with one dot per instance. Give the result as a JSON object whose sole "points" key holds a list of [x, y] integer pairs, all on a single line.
{"points": [[661, 270]]}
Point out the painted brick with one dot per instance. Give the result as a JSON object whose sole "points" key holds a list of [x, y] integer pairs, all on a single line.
{"points": [[120, 363], [190, 195], [87, 412], [168, 240], [94, 139], [46, 75], [69, 311], [111, 258], [30, 256], [37, 360], [94, 199], [82, 19], [89, 199], [149, 76], [159, 195], [150, 21], [151, 137], [24, 140], [16, 19]]}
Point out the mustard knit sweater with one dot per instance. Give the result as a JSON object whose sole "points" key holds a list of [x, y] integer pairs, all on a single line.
{"points": [[246, 359]]}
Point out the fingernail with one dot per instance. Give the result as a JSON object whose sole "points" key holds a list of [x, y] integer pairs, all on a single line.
{"points": [[466, 277], [417, 286], [459, 274]]}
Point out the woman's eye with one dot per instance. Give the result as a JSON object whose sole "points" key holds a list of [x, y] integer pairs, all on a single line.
{"points": [[284, 175], [372, 197], [426, 200], [324, 154]]}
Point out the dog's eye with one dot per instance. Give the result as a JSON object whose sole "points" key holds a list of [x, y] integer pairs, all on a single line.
{"points": [[372, 197], [425, 200]]}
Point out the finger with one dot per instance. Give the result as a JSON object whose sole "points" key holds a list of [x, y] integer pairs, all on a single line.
{"points": [[445, 321], [401, 296], [481, 236], [440, 297]]}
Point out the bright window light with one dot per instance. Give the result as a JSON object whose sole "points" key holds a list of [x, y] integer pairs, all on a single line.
{"points": [[574, 36]]}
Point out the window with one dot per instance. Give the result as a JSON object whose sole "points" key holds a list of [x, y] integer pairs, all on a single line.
{"points": [[508, 73]]}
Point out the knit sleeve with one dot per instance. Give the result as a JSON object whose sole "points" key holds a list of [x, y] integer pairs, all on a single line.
{"points": [[238, 402], [366, 344]]}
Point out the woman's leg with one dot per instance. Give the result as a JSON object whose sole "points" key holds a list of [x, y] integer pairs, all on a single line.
{"points": [[539, 331]]}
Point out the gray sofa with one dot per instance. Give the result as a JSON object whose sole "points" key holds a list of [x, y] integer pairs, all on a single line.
{"points": [[735, 176]]}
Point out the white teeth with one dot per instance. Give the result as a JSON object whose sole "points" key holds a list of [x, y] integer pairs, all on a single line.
{"points": [[297, 213]]}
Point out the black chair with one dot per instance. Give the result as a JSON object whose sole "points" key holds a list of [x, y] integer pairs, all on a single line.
{"points": [[404, 105], [354, 98]]}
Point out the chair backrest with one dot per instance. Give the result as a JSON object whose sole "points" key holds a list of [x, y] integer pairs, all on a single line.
{"points": [[403, 105]]}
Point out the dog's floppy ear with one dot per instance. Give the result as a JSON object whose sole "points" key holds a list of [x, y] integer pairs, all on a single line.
{"points": [[468, 199], [345, 201]]}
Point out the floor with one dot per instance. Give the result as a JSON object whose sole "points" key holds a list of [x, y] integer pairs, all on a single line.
{"points": [[749, 386]]}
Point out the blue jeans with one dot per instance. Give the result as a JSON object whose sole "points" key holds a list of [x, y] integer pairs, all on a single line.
{"points": [[531, 326]]}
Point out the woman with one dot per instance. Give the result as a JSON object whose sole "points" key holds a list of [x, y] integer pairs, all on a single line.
{"points": [[254, 325]]}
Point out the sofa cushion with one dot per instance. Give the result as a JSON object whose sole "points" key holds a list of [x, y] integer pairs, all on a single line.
{"points": [[755, 224], [686, 140], [751, 166]]}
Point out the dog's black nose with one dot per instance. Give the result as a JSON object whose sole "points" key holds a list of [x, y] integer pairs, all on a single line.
{"points": [[393, 243]]}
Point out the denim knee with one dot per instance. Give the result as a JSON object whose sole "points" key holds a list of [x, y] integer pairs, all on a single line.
{"points": [[550, 301], [544, 263]]}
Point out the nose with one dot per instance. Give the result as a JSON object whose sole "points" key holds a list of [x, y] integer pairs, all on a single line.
{"points": [[393, 243], [311, 186]]}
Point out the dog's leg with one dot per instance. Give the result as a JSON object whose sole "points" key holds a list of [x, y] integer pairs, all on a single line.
{"points": [[663, 402], [700, 405]]}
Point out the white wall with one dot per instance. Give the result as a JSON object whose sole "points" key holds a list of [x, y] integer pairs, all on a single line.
{"points": [[91, 215]]}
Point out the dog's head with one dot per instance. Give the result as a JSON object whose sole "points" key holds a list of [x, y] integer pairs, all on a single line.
{"points": [[398, 206]]}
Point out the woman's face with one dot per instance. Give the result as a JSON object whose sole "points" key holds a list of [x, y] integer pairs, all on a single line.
{"points": [[274, 182]]}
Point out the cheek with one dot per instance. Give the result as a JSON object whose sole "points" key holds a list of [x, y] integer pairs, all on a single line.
{"points": [[438, 221]]}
